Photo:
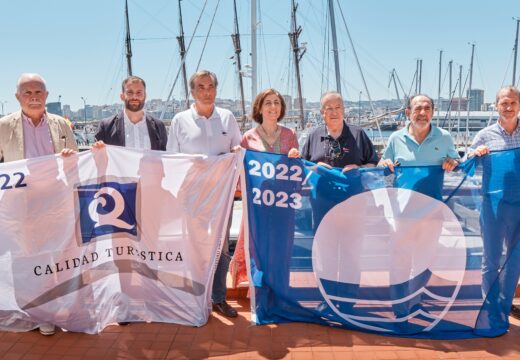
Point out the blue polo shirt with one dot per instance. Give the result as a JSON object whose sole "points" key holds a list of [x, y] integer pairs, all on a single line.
{"points": [[437, 146]]}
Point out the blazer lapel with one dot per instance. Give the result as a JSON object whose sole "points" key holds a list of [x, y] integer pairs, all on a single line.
{"points": [[118, 131], [152, 132], [17, 132], [54, 129]]}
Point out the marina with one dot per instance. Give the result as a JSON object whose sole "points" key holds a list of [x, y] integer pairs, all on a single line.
{"points": [[302, 73]]}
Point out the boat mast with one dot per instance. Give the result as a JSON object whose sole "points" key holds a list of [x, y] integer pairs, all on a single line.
{"points": [[182, 50], [354, 52], [392, 77], [293, 36], [439, 89], [469, 95], [416, 77], [253, 50], [516, 52], [334, 45], [236, 43], [420, 75], [128, 42], [458, 108], [450, 67]]}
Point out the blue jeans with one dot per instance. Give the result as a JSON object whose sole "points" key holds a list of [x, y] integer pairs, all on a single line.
{"points": [[219, 281], [500, 226]]}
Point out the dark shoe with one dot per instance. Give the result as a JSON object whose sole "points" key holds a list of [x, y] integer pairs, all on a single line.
{"points": [[225, 309], [515, 312], [123, 323]]}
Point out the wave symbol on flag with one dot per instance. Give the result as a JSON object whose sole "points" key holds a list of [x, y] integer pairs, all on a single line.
{"points": [[390, 260], [100, 202]]}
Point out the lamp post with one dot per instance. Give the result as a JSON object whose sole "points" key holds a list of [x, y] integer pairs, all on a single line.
{"points": [[3, 102], [85, 117], [59, 102]]}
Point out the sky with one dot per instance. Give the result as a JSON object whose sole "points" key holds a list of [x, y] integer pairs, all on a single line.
{"points": [[78, 46]]}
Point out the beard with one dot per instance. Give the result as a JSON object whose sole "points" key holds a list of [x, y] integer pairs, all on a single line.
{"points": [[134, 107]]}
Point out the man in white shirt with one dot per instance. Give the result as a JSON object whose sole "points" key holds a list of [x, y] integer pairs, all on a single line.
{"points": [[133, 127], [209, 130]]}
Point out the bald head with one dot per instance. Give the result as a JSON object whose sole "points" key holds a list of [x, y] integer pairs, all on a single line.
{"points": [[329, 95], [32, 93], [30, 77]]}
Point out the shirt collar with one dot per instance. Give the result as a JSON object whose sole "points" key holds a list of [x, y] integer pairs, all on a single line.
{"points": [[139, 123], [196, 114], [431, 134], [43, 121], [343, 134], [515, 131]]}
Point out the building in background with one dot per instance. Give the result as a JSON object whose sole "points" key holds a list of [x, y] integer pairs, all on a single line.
{"points": [[476, 99], [55, 108]]}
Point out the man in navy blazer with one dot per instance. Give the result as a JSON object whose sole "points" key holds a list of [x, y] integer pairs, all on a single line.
{"points": [[133, 127]]}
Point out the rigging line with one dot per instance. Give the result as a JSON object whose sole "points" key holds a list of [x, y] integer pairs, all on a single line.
{"points": [[157, 21], [206, 40], [480, 70], [197, 36], [307, 21], [224, 70], [357, 60], [118, 50], [507, 69], [314, 63], [275, 22], [443, 81], [465, 83], [259, 59], [448, 111], [324, 54], [411, 84], [168, 71], [262, 39], [183, 61], [289, 72]]}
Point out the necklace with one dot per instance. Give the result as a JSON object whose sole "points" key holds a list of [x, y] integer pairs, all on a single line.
{"points": [[271, 135], [269, 139]]}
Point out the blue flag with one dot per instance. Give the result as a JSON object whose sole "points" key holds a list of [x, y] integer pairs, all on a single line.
{"points": [[418, 252]]}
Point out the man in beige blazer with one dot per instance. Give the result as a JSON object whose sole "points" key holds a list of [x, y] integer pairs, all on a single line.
{"points": [[32, 94], [32, 132]]}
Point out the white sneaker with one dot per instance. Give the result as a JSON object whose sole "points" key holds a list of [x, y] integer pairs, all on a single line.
{"points": [[47, 329]]}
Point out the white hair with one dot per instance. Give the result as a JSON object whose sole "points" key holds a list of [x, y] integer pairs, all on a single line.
{"points": [[333, 94], [25, 77]]}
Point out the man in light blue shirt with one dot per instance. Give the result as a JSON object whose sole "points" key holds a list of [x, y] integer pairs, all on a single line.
{"points": [[420, 143]]}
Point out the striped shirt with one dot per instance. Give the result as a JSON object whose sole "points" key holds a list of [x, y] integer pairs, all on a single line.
{"points": [[496, 138]]}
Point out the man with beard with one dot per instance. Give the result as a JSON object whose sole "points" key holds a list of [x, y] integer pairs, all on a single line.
{"points": [[133, 127]]}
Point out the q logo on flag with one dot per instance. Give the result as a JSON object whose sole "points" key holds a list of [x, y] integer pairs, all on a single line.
{"points": [[107, 209]]}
